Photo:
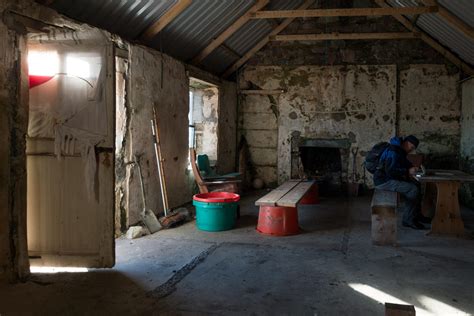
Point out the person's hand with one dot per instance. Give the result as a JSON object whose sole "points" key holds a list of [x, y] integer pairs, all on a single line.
{"points": [[412, 170]]}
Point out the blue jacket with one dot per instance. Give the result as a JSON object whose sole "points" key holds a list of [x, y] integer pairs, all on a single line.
{"points": [[394, 162]]}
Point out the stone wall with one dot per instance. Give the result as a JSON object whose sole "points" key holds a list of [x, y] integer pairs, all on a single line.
{"points": [[13, 126], [467, 139], [355, 103], [170, 99]]}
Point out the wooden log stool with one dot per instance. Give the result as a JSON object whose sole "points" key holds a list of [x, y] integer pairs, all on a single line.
{"points": [[384, 217]]}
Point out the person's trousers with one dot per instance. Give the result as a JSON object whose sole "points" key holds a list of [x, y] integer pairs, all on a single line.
{"points": [[411, 193]]}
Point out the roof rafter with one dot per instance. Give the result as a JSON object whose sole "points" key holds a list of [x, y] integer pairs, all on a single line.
{"points": [[316, 13], [229, 31], [345, 36], [280, 27], [166, 19], [430, 41]]}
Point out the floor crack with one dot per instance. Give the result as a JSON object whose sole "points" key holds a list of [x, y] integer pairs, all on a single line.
{"points": [[169, 286]]}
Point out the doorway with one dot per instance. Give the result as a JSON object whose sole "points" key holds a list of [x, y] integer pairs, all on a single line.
{"points": [[70, 152], [203, 118]]}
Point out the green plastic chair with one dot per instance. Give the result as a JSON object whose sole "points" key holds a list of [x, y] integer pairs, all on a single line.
{"points": [[206, 170]]}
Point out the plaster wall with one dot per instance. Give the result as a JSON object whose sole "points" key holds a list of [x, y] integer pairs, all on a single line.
{"points": [[430, 108]]}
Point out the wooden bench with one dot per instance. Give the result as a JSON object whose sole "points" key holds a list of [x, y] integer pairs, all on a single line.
{"points": [[384, 217], [278, 213]]}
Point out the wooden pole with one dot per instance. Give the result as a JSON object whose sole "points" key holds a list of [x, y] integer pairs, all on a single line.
{"points": [[159, 161]]}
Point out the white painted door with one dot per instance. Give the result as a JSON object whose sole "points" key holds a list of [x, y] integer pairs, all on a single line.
{"points": [[70, 156]]}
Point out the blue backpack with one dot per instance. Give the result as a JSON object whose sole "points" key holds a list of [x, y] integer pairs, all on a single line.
{"points": [[372, 160]]}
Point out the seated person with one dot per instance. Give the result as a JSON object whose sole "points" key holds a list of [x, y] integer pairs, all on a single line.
{"points": [[394, 174]]}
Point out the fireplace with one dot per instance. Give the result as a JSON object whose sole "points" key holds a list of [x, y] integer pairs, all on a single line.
{"points": [[323, 160], [320, 161]]}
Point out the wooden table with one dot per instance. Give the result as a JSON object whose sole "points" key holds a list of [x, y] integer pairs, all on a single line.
{"points": [[442, 187]]}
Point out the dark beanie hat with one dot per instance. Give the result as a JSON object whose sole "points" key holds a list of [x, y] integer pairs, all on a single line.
{"points": [[412, 139]]}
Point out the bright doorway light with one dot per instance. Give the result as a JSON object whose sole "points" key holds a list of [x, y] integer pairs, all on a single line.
{"points": [[43, 63], [77, 67], [58, 269]]}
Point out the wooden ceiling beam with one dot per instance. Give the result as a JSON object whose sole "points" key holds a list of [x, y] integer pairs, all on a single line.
{"points": [[317, 13], [345, 36], [430, 41], [166, 19], [229, 31], [452, 19], [263, 41]]}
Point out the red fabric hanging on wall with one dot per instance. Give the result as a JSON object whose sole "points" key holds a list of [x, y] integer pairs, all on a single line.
{"points": [[37, 80]]}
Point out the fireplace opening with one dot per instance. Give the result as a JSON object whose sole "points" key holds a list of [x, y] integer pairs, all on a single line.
{"points": [[324, 165]]}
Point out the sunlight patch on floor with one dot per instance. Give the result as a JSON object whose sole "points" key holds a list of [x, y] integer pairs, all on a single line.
{"points": [[383, 297], [58, 270]]}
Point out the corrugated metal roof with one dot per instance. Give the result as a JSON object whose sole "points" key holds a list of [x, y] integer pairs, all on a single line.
{"points": [[128, 18], [204, 20], [253, 31], [448, 36], [189, 33], [464, 9], [248, 36], [196, 26], [444, 32]]}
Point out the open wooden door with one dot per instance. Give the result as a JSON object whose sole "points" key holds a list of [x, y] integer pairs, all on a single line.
{"points": [[70, 156]]}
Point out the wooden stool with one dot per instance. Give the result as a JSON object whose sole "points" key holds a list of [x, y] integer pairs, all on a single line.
{"points": [[384, 217]]}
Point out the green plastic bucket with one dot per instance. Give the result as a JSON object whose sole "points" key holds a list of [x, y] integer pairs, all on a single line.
{"points": [[216, 211]]}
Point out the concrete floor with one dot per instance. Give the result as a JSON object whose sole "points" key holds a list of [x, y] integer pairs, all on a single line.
{"points": [[329, 269]]}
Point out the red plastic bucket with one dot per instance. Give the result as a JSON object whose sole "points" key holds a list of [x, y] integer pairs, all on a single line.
{"points": [[278, 221], [312, 197], [217, 197]]}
